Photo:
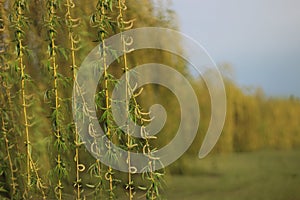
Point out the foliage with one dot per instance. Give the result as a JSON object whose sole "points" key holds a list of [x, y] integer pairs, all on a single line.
{"points": [[41, 151], [42, 43], [253, 121]]}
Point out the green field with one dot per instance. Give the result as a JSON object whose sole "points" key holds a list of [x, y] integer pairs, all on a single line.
{"points": [[267, 175]]}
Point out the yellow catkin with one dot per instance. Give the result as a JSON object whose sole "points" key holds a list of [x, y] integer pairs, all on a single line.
{"points": [[109, 173], [70, 23], [8, 154], [30, 164], [121, 24], [3, 121], [52, 5]]}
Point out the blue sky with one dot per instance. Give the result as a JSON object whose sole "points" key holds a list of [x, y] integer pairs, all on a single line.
{"points": [[259, 38]]}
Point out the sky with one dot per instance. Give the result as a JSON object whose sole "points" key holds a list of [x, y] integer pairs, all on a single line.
{"points": [[260, 39]]}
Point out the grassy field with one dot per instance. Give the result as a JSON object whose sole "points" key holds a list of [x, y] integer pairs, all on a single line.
{"points": [[267, 175]]}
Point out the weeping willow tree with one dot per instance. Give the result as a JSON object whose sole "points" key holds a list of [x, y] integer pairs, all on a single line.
{"points": [[42, 46]]}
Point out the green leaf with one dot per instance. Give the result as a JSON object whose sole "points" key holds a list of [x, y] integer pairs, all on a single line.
{"points": [[3, 190]]}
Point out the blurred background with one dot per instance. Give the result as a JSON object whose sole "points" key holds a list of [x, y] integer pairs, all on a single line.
{"points": [[256, 46]]}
